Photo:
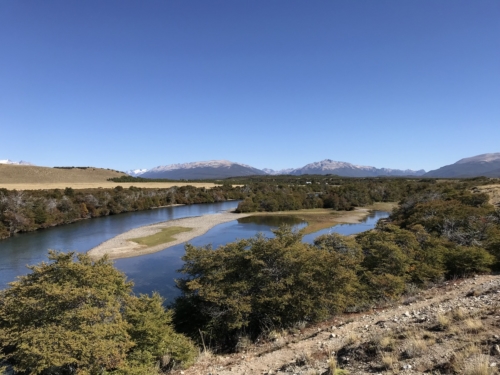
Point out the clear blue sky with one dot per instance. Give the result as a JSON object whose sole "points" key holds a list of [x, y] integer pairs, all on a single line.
{"points": [[135, 84]]}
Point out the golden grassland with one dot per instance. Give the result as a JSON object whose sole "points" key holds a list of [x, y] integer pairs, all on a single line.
{"points": [[164, 236], [322, 218], [104, 185], [27, 177]]}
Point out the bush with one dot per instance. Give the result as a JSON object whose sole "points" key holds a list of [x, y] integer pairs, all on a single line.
{"points": [[249, 285], [73, 315]]}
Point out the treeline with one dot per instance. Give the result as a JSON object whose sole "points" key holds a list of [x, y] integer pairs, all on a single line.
{"points": [[28, 210], [133, 179], [84, 168], [241, 290], [289, 193]]}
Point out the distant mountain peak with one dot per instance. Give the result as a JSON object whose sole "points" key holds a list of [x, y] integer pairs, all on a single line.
{"points": [[480, 165], [211, 169], [480, 158], [199, 164]]}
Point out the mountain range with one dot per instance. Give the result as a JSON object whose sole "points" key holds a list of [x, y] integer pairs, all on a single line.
{"points": [[480, 165], [224, 168]]}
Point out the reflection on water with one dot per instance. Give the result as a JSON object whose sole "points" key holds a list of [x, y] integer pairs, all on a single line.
{"points": [[272, 220], [347, 229]]}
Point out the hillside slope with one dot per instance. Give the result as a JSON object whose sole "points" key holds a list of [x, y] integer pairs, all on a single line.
{"points": [[480, 165], [452, 328], [28, 174]]}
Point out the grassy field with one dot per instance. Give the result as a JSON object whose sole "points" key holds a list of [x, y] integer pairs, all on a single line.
{"points": [[321, 218], [27, 177], [166, 235]]}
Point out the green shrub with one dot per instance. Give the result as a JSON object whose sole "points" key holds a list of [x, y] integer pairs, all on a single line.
{"points": [[75, 315], [246, 286]]}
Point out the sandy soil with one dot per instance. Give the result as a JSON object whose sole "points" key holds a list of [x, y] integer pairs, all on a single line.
{"points": [[121, 247]]}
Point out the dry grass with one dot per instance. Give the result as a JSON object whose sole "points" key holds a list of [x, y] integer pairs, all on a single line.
{"points": [[473, 325], [493, 191], [477, 365], [443, 321], [27, 174], [389, 360], [27, 177], [104, 185], [415, 347], [458, 314], [383, 206]]}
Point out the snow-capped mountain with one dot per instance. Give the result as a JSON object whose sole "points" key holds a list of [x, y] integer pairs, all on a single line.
{"points": [[21, 162], [480, 165], [136, 172], [202, 170], [345, 169]]}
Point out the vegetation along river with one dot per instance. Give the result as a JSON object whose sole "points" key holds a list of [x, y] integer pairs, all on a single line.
{"points": [[152, 272]]}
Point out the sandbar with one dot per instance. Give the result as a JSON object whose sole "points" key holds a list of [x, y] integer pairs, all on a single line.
{"points": [[121, 246]]}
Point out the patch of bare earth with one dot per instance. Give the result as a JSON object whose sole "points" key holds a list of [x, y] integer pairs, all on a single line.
{"points": [[493, 191], [452, 328]]}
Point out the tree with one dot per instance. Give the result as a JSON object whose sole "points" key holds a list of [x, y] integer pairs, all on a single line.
{"points": [[76, 316], [245, 286]]}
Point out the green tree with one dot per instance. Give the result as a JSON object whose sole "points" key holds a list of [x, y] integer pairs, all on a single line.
{"points": [[78, 316], [246, 286]]}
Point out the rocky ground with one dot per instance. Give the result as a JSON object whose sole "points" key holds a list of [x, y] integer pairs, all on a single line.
{"points": [[452, 328]]}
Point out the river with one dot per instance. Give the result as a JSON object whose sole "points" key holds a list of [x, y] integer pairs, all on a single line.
{"points": [[152, 272]]}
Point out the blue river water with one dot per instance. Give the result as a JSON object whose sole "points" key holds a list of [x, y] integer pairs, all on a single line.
{"points": [[157, 271], [152, 272]]}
